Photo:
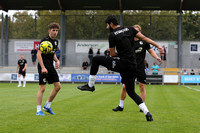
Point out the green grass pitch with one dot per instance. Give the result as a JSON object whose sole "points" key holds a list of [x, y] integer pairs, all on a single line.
{"points": [[175, 109]]}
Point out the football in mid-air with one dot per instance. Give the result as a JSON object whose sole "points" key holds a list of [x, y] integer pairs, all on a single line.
{"points": [[46, 47]]}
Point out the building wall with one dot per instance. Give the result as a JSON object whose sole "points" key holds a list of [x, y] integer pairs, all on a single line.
{"points": [[190, 60]]}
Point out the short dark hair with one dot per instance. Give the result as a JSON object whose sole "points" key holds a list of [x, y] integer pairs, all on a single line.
{"points": [[111, 18], [54, 25]]}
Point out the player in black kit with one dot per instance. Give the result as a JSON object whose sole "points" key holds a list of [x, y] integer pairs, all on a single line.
{"points": [[21, 70], [140, 51], [122, 61], [47, 72]]}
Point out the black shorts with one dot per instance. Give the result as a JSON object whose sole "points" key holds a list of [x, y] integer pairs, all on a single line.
{"points": [[33, 59], [126, 69], [22, 72], [163, 58], [51, 77], [141, 76]]}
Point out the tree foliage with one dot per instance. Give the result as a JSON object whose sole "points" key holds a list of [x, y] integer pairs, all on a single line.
{"points": [[160, 25], [191, 25], [22, 26], [44, 18], [90, 24]]}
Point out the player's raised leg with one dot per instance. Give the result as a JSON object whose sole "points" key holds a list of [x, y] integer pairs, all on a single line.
{"points": [[96, 62]]}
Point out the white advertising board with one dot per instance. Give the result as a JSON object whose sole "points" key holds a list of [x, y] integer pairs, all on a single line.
{"points": [[23, 46], [4, 76], [83, 47], [170, 78]]}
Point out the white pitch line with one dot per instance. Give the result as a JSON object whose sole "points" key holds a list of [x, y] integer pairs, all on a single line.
{"points": [[191, 88]]}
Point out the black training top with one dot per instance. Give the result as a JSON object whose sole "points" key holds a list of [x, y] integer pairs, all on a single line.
{"points": [[21, 63], [48, 58], [34, 52], [85, 64], [140, 52], [122, 38]]}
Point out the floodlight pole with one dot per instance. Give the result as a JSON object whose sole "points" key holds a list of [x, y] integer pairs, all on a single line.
{"points": [[92, 26], [6, 41], [121, 13], [121, 18], [62, 39], [179, 38], [35, 27], [150, 24], [180, 33], [2, 39]]}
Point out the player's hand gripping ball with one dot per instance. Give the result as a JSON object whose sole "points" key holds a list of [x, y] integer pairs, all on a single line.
{"points": [[46, 47]]}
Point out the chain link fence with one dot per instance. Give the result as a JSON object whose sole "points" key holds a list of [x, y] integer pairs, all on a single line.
{"points": [[93, 27], [157, 27]]}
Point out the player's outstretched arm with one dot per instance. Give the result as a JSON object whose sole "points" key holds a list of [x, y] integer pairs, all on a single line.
{"points": [[148, 40], [153, 54]]}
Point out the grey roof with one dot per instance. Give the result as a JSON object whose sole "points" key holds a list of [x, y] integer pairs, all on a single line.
{"points": [[100, 5]]}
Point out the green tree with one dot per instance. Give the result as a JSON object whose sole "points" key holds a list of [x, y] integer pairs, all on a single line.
{"points": [[22, 26], [164, 27], [191, 25], [159, 25], [44, 18], [87, 24], [90, 24]]}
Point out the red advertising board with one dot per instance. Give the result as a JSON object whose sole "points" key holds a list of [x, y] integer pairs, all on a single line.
{"points": [[36, 44]]}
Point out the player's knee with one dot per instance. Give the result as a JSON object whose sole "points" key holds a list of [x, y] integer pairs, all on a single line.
{"points": [[142, 87], [131, 92], [42, 89], [95, 58], [124, 87], [58, 87], [142, 90]]}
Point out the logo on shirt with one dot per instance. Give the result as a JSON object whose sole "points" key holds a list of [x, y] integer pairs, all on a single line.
{"points": [[138, 50], [113, 64], [55, 43], [44, 80], [140, 42], [21, 62], [121, 31]]}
